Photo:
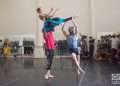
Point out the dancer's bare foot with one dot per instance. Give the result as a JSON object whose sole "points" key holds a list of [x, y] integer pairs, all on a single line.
{"points": [[74, 17], [83, 72]]}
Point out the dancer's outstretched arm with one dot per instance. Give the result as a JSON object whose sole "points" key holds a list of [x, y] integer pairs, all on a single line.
{"points": [[76, 29], [49, 13], [53, 14], [64, 32]]}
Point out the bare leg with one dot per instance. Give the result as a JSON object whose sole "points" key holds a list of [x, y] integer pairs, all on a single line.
{"points": [[78, 59], [77, 63]]}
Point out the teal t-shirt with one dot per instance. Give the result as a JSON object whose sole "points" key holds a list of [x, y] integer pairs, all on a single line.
{"points": [[51, 23]]}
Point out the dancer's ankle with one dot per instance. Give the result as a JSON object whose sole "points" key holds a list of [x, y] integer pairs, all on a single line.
{"points": [[78, 72]]}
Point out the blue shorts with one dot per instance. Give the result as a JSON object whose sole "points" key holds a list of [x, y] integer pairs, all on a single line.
{"points": [[74, 50]]}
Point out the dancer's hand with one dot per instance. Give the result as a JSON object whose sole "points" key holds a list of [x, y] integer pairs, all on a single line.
{"points": [[80, 34], [52, 9], [63, 25], [56, 9]]}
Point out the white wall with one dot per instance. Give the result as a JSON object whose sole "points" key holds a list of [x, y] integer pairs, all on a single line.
{"points": [[106, 14], [17, 17]]}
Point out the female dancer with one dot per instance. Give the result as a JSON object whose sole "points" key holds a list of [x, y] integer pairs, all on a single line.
{"points": [[48, 35], [50, 21], [72, 40]]}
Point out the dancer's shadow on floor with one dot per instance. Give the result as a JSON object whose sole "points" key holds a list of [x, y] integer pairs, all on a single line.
{"points": [[28, 63], [80, 79], [48, 83]]}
